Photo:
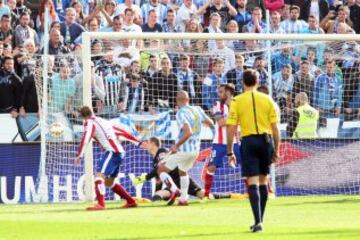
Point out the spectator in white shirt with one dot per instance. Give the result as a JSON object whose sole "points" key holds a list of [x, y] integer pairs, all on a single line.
{"points": [[186, 12], [120, 10], [225, 53]]}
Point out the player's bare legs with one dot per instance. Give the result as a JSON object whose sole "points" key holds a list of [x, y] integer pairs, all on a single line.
{"points": [[119, 190], [166, 178]]}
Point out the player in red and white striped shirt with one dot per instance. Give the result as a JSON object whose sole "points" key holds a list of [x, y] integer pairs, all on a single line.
{"points": [[107, 136], [220, 112]]}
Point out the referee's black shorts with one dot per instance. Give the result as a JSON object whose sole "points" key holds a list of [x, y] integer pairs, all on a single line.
{"points": [[256, 155]]}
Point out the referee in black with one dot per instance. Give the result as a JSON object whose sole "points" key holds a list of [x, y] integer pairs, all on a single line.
{"points": [[256, 114]]}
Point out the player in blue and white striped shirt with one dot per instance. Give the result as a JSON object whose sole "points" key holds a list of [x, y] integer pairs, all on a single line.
{"points": [[186, 148]]}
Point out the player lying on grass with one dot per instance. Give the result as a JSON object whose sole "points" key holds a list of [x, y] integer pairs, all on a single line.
{"points": [[106, 134], [153, 147]]}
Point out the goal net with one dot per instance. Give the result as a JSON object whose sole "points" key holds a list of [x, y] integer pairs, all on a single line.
{"points": [[132, 80]]}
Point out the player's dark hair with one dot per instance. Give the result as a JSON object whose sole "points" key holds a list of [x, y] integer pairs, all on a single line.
{"points": [[250, 77], [155, 141], [229, 87], [85, 111]]}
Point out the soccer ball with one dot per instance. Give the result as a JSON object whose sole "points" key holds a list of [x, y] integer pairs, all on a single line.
{"points": [[56, 129]]}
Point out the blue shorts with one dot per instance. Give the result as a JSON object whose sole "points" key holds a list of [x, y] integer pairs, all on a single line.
{"points": [[109, 164], [256, 155], [219, 152]]}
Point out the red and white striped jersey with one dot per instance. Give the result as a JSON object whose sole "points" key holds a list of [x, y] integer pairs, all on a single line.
{"points": [[105, 133], [221, 110]]}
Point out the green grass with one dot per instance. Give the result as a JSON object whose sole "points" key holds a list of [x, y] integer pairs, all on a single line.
{"points": [[327, 217]]}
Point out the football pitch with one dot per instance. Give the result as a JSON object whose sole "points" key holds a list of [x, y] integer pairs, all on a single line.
{"points": [[325, 217]]}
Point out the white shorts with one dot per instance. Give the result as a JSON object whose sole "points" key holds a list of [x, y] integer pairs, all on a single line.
{"points": [[183, 160]]}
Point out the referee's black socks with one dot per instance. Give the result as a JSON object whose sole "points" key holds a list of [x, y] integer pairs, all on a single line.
{"points": [[263, 199], [254, 197]]}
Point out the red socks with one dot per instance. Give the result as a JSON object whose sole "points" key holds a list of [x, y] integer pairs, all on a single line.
{"points": [[100, 191], [119, 190], [208, 183]]}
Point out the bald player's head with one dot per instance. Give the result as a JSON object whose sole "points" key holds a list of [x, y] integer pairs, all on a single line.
{"points": [[182, 98], [301, 99]]}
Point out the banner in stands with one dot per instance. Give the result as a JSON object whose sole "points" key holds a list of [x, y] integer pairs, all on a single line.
{"points": [[306, 167]]}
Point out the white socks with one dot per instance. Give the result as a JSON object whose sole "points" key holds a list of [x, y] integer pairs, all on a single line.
{"points": [[184, 186], [165, 178]]}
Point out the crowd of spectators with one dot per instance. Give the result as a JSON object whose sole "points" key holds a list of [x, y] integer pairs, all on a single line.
{"points": [[143, 76]]}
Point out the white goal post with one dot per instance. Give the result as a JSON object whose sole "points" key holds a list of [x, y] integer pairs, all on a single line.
{"points": [[87, 38]]}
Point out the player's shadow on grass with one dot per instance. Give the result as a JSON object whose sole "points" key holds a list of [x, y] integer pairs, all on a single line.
{"points": [[179, 236], [337, 201]]}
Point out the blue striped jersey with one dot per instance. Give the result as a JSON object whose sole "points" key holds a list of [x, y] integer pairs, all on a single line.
{"points": [[193, 116]]}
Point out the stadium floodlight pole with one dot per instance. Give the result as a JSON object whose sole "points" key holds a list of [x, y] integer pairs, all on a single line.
{"points": [[44, 105], [88, 156], [268, 47]]}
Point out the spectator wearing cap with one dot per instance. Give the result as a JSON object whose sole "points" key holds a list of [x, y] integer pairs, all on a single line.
{"points": [[317, 8], [23, 31], [273, 5], [212, 82], [6, 32], [243, 15], [151, 25], [235, 75], [186, 12], [4, 9], [222, 51], [70, 29], [331, 21], [354, 14], [137, 15], [293, 24], [222, 7], [256, 25], [160, 10]]}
